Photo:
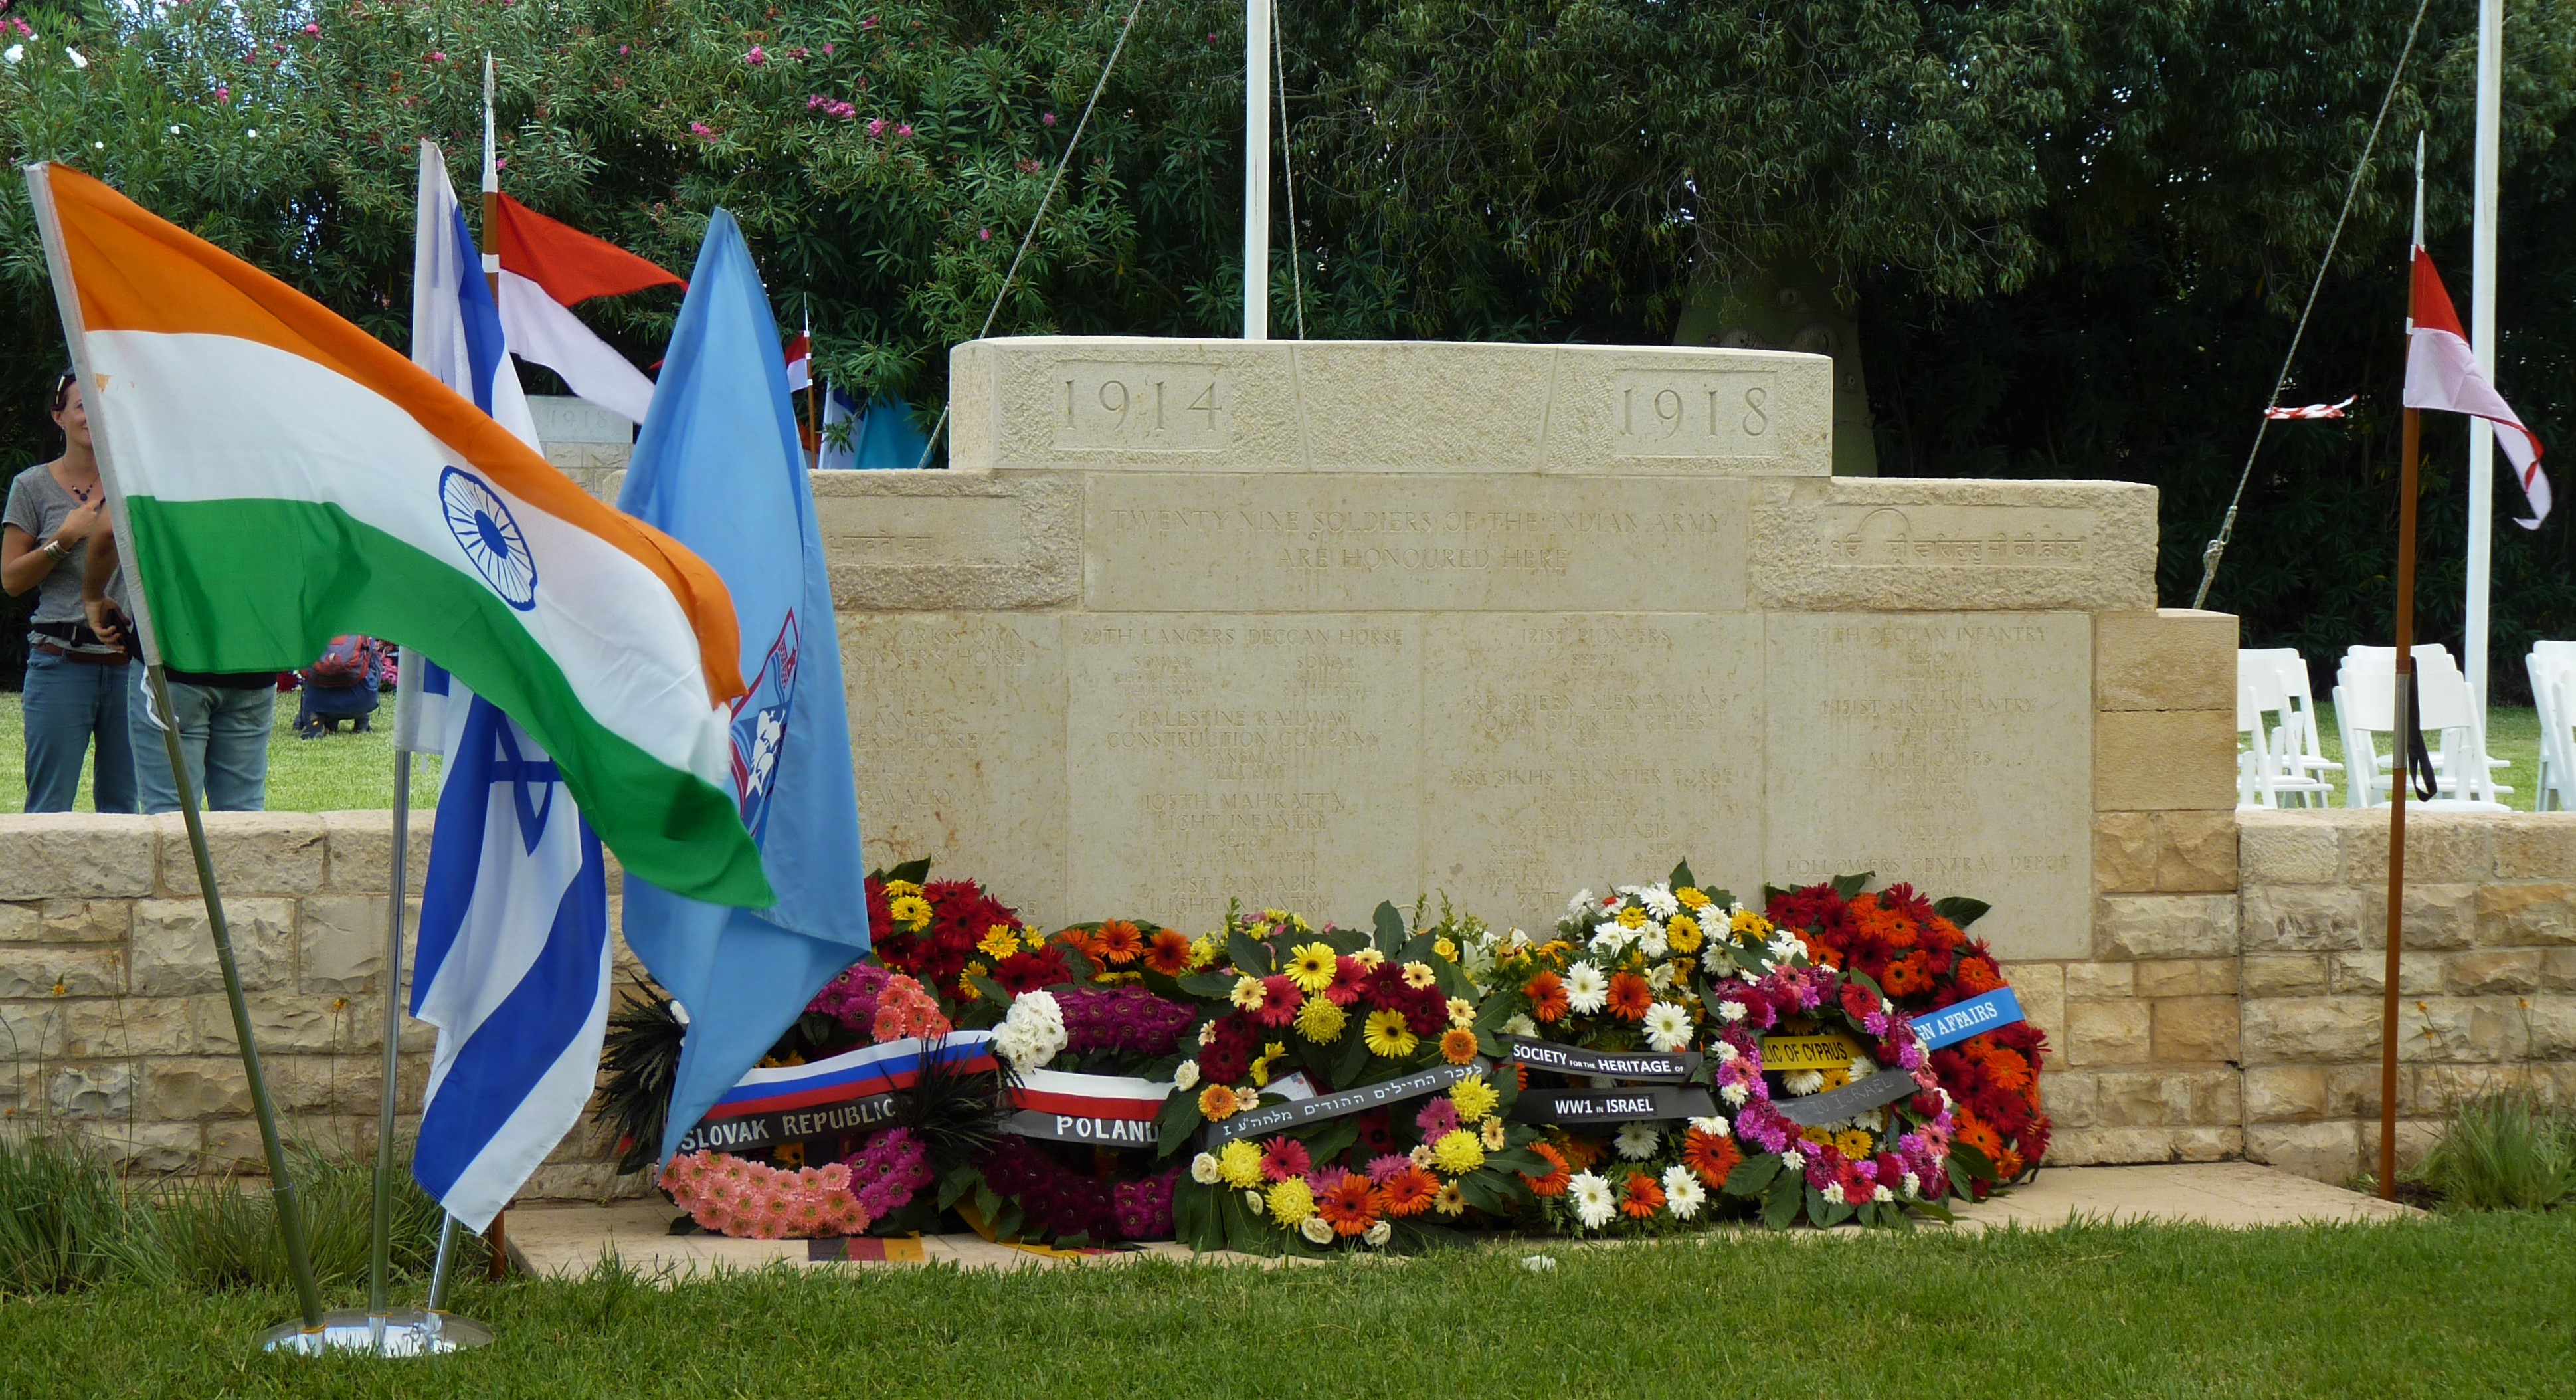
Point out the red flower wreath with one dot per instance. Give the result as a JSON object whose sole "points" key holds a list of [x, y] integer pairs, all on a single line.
{"points": [[1925, 962]]}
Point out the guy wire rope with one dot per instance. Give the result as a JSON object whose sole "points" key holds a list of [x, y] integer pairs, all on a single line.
{"points": [[1070, 146], [1288, 172], [2227, 526]]}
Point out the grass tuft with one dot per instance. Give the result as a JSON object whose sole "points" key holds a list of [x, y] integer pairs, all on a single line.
{"points": [[2508, 1150], [67, 1223]]}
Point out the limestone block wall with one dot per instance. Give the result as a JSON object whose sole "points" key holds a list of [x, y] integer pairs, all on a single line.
{"points": [[112, 1011], [2209, 1023], [2486, 975], [2144, 1029]]}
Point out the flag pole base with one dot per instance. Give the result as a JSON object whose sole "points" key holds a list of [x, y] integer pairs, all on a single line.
{"points": [[357, 1332]]}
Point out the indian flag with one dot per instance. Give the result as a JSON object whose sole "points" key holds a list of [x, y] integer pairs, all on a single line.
{"points": [[282, 477]]}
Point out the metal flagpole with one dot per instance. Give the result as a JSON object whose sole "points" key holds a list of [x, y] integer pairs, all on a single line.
{"points": [[290, 1215], [1256, 170], [2402, 735], [380, 1258], [438, 1269], [2482, 342], [490, 239]]}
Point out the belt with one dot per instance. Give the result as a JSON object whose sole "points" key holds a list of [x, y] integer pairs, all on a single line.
{"points": [[86, 658]]}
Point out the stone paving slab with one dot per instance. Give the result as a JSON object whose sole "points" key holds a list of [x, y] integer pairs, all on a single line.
{"points": [[2236, 1195], [567, 1241]]}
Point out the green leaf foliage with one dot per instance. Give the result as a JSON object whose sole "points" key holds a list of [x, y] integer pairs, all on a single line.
{"points": [[1389, 922], [1961, 910]]}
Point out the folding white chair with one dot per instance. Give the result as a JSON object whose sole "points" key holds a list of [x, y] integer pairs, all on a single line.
{"points": [[2434, 666], [2310, 766], [2365, 706], [2553, 686], [2254, 760]]}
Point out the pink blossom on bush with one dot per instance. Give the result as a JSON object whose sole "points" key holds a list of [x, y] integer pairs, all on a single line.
{"points": [[312, 30], [755, 58], [1047, 120], [876, 126]]}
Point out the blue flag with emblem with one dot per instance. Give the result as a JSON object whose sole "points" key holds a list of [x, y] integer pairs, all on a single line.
{"points": [[720, 468], [513, 960]]}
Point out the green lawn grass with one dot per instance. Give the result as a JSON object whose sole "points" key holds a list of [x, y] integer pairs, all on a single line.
{"points": [[2466, 1305], [337, 772]]}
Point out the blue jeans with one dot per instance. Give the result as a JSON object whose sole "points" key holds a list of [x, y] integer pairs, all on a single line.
{"points": [[222, 733], [70, 705]]}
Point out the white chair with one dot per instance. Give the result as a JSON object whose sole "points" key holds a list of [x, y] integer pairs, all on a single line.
{"points": [[2434, 667], [2254, 760], [2269, 767], [2365, 707], [2552, 666], [2311, 767]]}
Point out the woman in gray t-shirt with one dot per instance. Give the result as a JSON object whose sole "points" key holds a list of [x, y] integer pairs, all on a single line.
{"points": [[76, 682]]}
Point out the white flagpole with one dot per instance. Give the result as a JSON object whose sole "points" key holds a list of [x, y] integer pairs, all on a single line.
{"points": [[2482, 341], [491, 191], [1256, 170]]}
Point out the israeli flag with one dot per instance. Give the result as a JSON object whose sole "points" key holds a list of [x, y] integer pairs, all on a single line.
{"points": [[513, 961], [512, 969]]}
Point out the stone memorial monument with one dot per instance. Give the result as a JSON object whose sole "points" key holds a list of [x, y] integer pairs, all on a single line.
{"points": [[1318, 624]]}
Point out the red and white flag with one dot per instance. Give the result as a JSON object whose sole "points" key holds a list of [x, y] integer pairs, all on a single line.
{"points": [[547, 266], [2314, 410], [800, 360], [2442, 373]]}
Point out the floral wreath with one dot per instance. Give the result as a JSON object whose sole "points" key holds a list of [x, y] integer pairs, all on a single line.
{"points": [[1303, 1014], [1670, 968], [1919, 951]]}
